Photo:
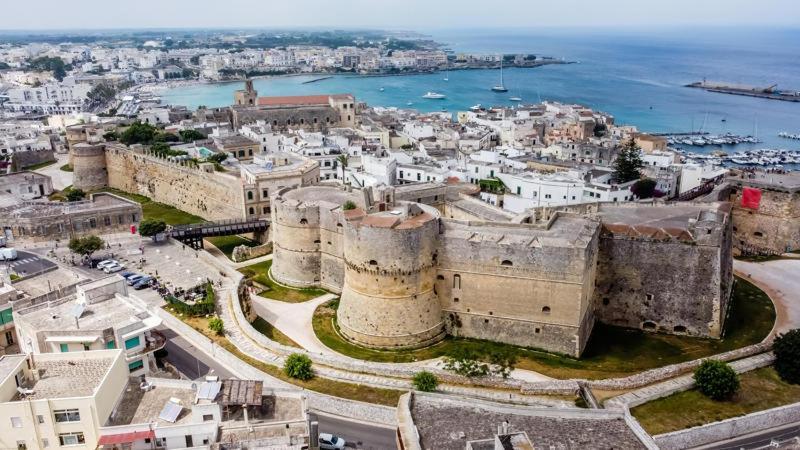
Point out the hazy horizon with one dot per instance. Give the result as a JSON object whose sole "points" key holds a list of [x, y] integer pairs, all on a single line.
{"points": [[411, 15]]}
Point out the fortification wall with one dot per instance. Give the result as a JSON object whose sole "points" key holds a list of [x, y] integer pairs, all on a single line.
{"points": [[388, 297], [533, 296], [772, 228], [309, 117], [662, 285], [211, 195], [28, 158], [89, 166], [296, 244]]}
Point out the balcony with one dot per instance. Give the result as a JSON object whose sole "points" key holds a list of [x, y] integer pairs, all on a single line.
{"points": [[154, 340]]}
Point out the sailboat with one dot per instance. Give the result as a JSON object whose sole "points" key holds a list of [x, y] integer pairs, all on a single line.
{"points": [[500, 87], [446, 75]]}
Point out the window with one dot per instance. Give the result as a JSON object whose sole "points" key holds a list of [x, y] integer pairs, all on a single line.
{"points": [[6, 316], [71, 438], [679, 329], [506, 263], [92, 223], [455, 300], [111, 344], [758, 234], [519, 190], [649, 325], [648, 296], [208, 417], [107, 221], [16, 422], [136, 365], [456, 281], [249, 195], [40, 418], [67, 415], [546, 310], [251, 210], [21, 445], [303, 222], [265, 193], [64, 348], [132, 342], [45, 443], [605, 301], [86, 347]]}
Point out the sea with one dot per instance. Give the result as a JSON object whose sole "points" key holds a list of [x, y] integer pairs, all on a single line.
{"points": [[637, 75]]}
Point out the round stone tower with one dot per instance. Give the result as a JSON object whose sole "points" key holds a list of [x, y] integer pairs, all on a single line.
{"points": [[388, 299], [89, 166]]}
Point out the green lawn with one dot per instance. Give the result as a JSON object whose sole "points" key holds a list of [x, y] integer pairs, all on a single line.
{"points": [[226, 244], [259, 274], [611, 352], [66, 168], [268, 330], [760, 389], [40, 165], [158, 211]]}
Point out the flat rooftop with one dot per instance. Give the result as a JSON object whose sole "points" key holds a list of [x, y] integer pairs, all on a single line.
{"points": [[672, 215], [789, 181], [8, 364], [447, 424], [314, 195], [64, 378], [566, 230], [139, 406], [99, 202]]}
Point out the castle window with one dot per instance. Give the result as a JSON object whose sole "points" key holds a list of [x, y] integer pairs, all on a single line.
{"points": [[315, 120], [92, 223], [679, 329], [537, 330], [758, 234], [275, 123], [265, 193], [107, 221], [327, 120], [265, 210], [249, 195], [372, 262], [252, 210], [348, 117], [338, 225], [316, 241], [605, 301], [546, 310], [456, 281], [648, 296], [302, 121], [440, 277], [303, 222], [455, 300], [485, 320], [506, 263], [649, 325]]}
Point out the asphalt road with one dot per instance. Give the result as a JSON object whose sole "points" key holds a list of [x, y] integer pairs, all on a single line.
{"points": [[783, 436], [189, 360], [28, 263], [357, 435]]}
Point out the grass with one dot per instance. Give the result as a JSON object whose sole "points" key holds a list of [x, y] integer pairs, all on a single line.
{"points": [[268, 330], [14, 277], [760, 389], [259, 274], [41, 165], [66, 168], [611, 352], [226, 244], [158, 211], [388, 397]]}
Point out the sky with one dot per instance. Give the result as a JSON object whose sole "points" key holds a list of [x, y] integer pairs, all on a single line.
{"points": [[393, 14]]}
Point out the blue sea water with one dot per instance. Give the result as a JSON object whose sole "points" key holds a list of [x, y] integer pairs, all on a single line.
{"points": [[637, 76]]}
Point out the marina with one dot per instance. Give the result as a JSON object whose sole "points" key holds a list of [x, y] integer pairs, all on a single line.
{"points": [[786, 135], [764, 157], [704, 139]]}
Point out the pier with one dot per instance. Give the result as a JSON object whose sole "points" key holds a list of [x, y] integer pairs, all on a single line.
{"points": [[769, 92]]}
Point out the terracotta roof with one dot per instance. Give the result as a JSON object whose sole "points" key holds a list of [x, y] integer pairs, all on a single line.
{"points": [[294, 100]]}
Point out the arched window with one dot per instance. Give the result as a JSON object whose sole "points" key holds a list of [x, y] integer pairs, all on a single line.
{"points": [[303, 222], [252, 211], [372, 262], [302, 121], [339, 225], [506, 263], [679, 329], [546, 310], [456, 281], [649, 325], [249, 195]]}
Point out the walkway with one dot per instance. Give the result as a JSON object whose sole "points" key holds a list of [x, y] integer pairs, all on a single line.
{"points": [[60, 178], [294, 319], [780, 279]]}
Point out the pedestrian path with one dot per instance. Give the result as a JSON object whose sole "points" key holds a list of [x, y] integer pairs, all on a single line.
{"points": [[294, 319]]}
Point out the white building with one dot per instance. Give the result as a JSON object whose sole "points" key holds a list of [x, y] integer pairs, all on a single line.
{"points": [[51, 98]]}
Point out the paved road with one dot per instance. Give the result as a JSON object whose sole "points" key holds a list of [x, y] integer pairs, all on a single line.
{"points": [[785, 437], [780, 279], [190, 361], [28, 263], [357, 435]]}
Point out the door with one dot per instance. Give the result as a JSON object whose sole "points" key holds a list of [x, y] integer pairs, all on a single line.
{"points": [[189, 441]]}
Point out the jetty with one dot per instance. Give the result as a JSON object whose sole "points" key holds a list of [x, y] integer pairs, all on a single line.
{"points": [[315, 80], [769, 92]]}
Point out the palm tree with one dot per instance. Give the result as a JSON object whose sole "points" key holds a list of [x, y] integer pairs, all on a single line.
{"points": [[343, 159]]}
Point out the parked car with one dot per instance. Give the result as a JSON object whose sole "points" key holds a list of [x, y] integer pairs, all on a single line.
{"points": [[106, 262], [111, 268], [127, 274], [328, 441], [8, 254], [143, 282], [134, 279]]}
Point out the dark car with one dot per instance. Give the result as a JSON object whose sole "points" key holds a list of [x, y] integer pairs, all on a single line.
{"points": [[143, 282]]}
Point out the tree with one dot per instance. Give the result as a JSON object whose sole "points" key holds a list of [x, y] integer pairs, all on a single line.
{"points": [[217, 157], [138, 133], [628, 163], [343, 159], [74, 195], [348, 205], [787, 356], [298, 366], [216, 325], [151, 227], [86, 245], [644, 188], [716, 379], [191, 135], [425, 381]]}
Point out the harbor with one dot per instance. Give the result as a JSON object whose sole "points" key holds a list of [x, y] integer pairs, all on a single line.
{"points": [[764, 157], [770, 92]]}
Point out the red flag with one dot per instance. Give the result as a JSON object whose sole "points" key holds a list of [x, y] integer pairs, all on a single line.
{"points": [[751, 197]]}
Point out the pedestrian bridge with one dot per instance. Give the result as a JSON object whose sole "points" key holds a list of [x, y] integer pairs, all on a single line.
{"points": [[193, 234]]}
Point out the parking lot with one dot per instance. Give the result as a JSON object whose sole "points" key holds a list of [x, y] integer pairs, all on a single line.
{"points": [[28, 263]]}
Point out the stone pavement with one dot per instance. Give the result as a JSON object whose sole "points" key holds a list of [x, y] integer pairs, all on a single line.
{"points": [[780, 279], [60, 178], [294, 319]]}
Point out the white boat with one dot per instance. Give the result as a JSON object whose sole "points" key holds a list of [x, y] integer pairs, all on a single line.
{"points": [[409, 103], [430, 95], [381, 89], [446, 75], [475, 107], [500, 87], [515, 99]]}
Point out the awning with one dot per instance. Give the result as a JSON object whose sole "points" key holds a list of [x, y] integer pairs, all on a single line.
{"points": [[125, 438], [79, 339]]}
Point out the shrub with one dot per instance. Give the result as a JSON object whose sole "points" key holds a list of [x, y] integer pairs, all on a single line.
{"points": [[787, 356], [151, 227], [425, 381], [215, 324], [74, 195], [644, 188], [298, 366], [348, 205], [86, 245], [716, 380]]}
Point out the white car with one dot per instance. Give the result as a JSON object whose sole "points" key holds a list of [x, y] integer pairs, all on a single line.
{"points": [[106, 262], [328, 441], [111, 268]]}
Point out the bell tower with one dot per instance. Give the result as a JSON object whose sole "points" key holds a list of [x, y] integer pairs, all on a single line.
{"points": [[246, 96]]}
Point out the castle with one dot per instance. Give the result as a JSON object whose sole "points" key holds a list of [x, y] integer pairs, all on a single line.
{"points": [[418, 262]]}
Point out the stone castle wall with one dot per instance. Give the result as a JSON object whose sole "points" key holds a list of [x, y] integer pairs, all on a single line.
{"points": [[772, 228], [89, 166], [313, 118], [210, 195]]}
